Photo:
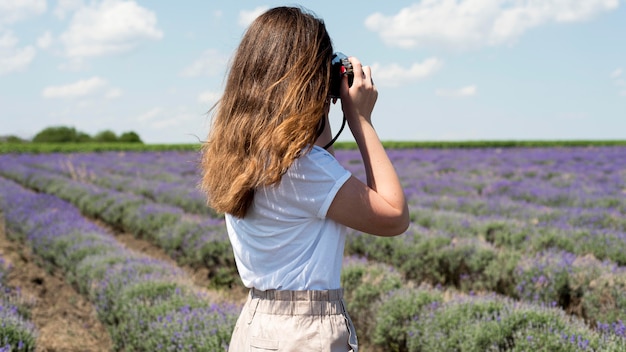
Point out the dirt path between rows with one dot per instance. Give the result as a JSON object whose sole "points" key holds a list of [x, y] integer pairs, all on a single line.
{"points": [[199, 276], [65, 320]]}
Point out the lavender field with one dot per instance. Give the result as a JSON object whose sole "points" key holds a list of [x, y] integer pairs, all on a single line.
{"points": [[511, 249]]}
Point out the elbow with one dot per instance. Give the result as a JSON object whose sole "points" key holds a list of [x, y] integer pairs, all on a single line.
{"points": [[406, 222], [399, 228], [403, 221], [396, 226], [391, 231]]}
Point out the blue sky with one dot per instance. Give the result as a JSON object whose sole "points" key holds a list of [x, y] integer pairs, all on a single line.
{"points": [[445, 69]]}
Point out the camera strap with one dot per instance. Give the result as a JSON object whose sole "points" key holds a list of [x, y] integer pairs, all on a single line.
{"points": [[343, 124], [322, 125]]}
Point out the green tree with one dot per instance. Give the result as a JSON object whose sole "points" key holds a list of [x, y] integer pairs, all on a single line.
{"points": [[12, 139], [83, 137], [130, 137], [106, 136], [57, 134]]}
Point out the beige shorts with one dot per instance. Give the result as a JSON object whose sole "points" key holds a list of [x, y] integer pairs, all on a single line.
{"points": [[294, 321]]}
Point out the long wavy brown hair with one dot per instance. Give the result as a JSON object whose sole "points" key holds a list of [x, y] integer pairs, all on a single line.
{"points": [[274, 98]]}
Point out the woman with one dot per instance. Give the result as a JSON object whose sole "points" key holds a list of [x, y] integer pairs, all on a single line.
{"points": [[287, 201]]}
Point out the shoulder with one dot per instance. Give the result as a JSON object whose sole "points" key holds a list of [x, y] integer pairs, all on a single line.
{"points": [[317, 155], [316, 160], [312, 182]]}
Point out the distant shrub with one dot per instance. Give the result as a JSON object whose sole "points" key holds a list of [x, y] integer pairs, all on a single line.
{"points": [[129, 137], [106, 136], [65, 134], [11, 139], [61, 134]]}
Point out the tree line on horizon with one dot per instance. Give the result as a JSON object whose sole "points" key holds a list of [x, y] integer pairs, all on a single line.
{"points": [[65, 134]]}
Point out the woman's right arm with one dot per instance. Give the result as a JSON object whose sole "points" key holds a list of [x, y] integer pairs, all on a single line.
{"points": [[378, 207]]}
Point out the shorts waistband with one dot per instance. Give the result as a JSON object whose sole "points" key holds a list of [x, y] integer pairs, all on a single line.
{"points": [[295, 296], [284, 302]]}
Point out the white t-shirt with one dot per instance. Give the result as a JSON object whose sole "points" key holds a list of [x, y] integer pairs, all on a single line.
{"points": [[285, 241]]}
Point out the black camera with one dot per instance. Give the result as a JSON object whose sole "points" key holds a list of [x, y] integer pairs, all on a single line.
{"points": [[339, 66]]}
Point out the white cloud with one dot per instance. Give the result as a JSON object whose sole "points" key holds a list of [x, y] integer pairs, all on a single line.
{"points": [[109, 27], [466, 91], [208, 97], [83, 88], [113, 93], [45, 40], [395, 75], [159, 118], [179, 119], [12, 11], [66, 6], [73, 65], [210, 63], [620, 82], [465, 24], [12, 58], [246, 17], [166, 123], [150, 114], [8, 40]]}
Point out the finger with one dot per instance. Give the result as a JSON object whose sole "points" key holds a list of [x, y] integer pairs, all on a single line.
{"points": [[357, 68], [367, 75], [344, 88], [355, 62]]}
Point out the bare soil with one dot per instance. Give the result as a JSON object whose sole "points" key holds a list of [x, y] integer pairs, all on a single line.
{"points": [[66, 321], [199, 276]]}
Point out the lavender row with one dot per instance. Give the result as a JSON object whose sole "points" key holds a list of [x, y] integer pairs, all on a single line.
{"points": [[567, 188], [468, 235], [534, 234], [190, 240], [146, 304], [475, 183], [554, 185], [395, 316], [442, 247], [131, 173], [581, 285], [17, 332]]}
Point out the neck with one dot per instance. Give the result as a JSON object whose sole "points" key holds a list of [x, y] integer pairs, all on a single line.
{"points": [[326, 136]]}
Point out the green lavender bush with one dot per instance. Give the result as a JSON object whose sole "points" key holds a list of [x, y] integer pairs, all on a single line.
{"points": [[493, 323], [364, 284], [395, 313]]}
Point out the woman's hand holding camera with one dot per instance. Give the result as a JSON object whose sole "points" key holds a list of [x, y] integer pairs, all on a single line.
{"points": [[378, 207], [358, 100]]}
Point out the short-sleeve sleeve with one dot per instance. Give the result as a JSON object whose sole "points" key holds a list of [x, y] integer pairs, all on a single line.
{"points": [[308, 187]]}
